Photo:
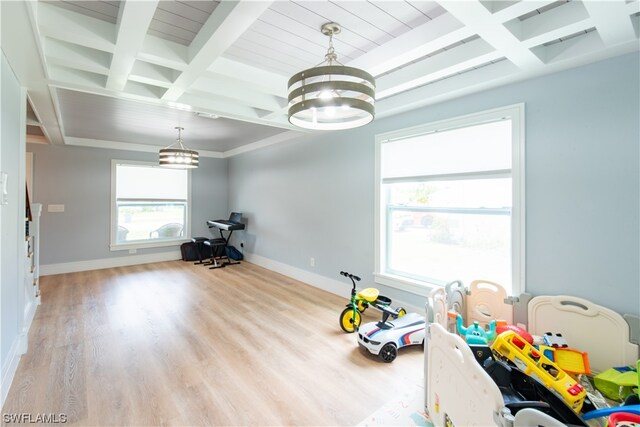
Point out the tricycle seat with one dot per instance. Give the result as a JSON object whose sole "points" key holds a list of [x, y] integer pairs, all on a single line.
{"points": [[369, 294]]}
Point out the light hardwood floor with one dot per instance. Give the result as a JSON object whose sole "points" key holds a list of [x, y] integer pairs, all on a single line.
{"points": [[174, 343]]}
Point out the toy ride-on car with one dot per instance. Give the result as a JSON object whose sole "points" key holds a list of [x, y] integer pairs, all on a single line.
{"points": [[351, 317], [385, 338]]}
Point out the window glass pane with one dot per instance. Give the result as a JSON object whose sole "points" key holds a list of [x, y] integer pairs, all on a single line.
{"points": [[468, 193], [470, 149], [441, 247], [450, 230], [149, 220], [148, 182]]}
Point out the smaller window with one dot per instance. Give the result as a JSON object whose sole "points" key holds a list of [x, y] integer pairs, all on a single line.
{"points": [[150, 205]]}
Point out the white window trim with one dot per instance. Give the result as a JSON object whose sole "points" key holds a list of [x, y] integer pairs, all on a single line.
{"points": [[518, 222], [151, 244]]}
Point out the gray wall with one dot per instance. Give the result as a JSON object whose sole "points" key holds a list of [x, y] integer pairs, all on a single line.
{"points": [[11, 219], [80, 178], [315, 197]]}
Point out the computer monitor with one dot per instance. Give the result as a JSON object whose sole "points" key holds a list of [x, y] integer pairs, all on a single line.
{"points": [[235, 216]]}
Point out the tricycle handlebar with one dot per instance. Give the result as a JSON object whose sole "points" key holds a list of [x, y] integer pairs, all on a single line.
{"points": [[350, 276]]}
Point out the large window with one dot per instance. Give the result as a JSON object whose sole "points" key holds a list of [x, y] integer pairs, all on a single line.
{"points": [[451, 202], [150, 205]]}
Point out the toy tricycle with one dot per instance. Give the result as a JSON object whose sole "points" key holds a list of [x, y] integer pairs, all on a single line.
{"points": [[351, 317]]}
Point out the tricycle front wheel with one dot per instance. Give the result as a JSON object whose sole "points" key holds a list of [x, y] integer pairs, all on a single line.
{"points": [[348, 322]]}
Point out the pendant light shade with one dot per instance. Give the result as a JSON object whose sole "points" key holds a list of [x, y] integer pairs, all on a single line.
{"points": [[179, 157], [331, 96]]}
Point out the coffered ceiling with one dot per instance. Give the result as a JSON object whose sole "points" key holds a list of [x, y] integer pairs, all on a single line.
{"points": [[123, 74]]}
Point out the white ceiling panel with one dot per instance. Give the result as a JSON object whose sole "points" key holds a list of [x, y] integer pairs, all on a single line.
{"points": [[94, 117], [101, 73], [103, 10]]}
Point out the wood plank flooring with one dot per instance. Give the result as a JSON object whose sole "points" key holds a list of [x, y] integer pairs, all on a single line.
{"points": [[174, 343]]}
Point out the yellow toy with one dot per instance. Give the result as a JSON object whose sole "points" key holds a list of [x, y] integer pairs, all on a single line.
{"points": [[509, 346]]}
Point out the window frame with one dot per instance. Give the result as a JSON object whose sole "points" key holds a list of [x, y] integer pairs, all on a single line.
{"points": [[516, 113], [151, 243]]}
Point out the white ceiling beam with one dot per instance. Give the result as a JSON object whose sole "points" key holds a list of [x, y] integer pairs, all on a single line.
{"points": [[76, 28], [477, 18], [459, 85], [240, 91], [78, 77], [520, 8], [224, 108], [226, 24], [559, 18], [440, 32], [612, 21], [164, 53], [145, 72], [266, 81], [119, 145], [75, 56], [25, 59], [452, 61], [133, 23]]}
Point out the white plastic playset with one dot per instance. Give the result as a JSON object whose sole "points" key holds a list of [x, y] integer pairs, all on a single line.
{"points": [[459, 391]]}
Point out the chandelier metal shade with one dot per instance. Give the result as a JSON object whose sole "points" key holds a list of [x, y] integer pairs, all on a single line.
{"points": [[331, 96], [179, 157]]}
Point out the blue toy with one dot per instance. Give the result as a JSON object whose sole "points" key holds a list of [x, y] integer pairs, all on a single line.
{"points": [[474, 334]]}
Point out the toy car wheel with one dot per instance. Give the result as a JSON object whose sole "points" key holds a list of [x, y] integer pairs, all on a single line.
{"points": [[388, 352], [347, 321], [401, 311]]}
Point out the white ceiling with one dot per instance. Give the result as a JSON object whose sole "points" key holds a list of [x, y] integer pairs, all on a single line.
{"points": [[123, 74]]}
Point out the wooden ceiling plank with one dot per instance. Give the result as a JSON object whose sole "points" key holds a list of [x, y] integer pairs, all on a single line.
{"points": [[403, 11], [376, 16], [184, 10], [177, 21], [313, 20], [348, 21], [132, 29], [171, 32], [225, 25], [101, 7], [429, 8], [289, 43]]}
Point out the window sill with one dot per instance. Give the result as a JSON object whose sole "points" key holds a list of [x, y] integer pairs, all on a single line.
{"points": [[416, 287], [147, 245]]}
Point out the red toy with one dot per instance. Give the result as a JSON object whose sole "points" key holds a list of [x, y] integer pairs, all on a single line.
{"points": [[518, 330], [623, 419]]}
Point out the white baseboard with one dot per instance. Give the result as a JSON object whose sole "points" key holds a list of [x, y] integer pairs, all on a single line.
{"points": [[9, 369], [97, 264], [336, 287], [342, 289]]}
